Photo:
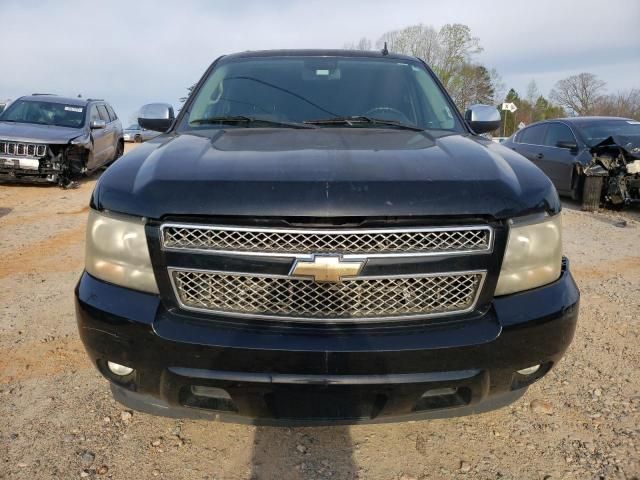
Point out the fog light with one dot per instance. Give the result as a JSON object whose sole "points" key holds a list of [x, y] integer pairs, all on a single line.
{"points": [[437, 392], [529, 370], [210, 392], [118, 369]]}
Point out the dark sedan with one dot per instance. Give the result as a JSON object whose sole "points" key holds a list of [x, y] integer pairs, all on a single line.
{"points": [[568, 149]]}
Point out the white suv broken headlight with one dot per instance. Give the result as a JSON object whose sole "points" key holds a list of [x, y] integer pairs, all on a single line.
{"points": [[117, 252], [533, 256]]}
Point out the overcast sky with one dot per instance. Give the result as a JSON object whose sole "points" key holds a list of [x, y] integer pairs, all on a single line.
{"points": [[139, 51]]}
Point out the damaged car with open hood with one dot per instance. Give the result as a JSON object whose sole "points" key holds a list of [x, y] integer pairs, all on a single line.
{"points": [[53, 139], [615, 168], [595, 159]]}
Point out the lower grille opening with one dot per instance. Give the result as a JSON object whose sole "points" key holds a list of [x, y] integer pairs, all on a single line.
{"points": [[333, 402]]}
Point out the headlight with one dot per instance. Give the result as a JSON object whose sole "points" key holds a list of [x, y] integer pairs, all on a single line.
{"points": [[117, 252], [533, 256]]}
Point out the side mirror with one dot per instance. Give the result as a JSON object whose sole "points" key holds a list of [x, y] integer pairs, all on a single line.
{"points": [[97, 124], [568, 144], [156, 116], [482, 118]]}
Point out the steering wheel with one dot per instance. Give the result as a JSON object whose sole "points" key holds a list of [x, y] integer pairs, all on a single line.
{"points": [[387, 113]]}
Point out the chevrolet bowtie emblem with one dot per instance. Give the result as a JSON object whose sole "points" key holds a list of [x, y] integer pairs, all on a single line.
{"points": [[325, 268]]}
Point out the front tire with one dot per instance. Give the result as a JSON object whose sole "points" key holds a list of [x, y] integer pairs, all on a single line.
{"points": [[138, 139], [591, 193]]}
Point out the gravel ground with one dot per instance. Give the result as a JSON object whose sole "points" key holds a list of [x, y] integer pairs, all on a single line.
{"points": [[57, 418]]}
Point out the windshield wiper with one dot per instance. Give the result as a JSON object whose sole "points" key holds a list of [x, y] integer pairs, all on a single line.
{"points": [[241, 119], [361, 119]]}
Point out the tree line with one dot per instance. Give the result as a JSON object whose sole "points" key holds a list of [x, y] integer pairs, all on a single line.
{"points": [[452, 51]]}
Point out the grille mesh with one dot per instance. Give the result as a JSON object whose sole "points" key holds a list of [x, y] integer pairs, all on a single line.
{"points": [[304, 299], [305, 242]]}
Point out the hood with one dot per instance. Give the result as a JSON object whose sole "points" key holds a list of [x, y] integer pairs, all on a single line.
{"points": [[329, 172], [34, 133], [629, 146]]}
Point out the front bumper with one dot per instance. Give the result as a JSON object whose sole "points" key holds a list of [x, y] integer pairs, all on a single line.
{"points": [[195, 366], [26, 170]]}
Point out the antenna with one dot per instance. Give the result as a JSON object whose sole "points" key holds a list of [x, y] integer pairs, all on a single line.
{"points": [[385, 50]]}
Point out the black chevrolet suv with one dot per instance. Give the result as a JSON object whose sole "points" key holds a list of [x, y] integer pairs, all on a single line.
{"points": [[320, 237], [53, 139]]}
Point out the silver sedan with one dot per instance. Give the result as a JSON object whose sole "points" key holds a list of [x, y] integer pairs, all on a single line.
{"points": [[135, 133]]}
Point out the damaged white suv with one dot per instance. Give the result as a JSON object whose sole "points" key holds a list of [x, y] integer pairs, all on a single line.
{"points": [[47, 138]]}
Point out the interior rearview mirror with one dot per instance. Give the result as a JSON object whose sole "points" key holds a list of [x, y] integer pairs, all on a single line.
{"points": [[96, 124], [482, 118], [156, 116]]}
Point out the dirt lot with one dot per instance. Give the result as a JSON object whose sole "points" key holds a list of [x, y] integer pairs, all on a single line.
{"points": [[57, 419]]}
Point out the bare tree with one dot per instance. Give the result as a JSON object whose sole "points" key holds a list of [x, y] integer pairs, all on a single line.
{"points": [[531, 97], [417, 40], [578, 93], [457, 46], [499, 88], [363, 44], [532, 92], [446, 50], [621, 104]]}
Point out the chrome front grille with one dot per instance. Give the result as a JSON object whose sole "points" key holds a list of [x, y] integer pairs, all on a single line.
{"points": [[360, 298], [21, 149], [363, 242]]}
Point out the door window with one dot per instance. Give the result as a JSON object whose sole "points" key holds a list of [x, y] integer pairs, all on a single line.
{"points": [[558, 132], [94, 115], [104, 115], [532, 135]]}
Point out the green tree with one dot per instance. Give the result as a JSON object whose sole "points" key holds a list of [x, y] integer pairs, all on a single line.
{"points": [[543, 110], [508, 118], [472, 84], [189, 91], [457, 46], [449, 51]]}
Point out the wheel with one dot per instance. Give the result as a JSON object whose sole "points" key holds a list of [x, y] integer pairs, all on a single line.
{"points": [[138, 139], [576, 185], [591, 193]]}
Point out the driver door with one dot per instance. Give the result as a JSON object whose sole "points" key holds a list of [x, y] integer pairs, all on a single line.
{"points": [[100, 141]]}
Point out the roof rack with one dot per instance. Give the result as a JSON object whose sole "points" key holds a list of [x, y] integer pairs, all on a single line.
{"points": [[45, 94], [95, 99]]}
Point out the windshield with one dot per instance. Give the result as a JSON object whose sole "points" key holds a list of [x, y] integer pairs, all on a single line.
{"points": [[596, 132], [303, 89], [44, 113], [135, 126]]}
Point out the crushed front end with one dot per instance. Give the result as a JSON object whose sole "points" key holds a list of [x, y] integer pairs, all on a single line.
{"points": [[617, 160], [33, 162]]}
